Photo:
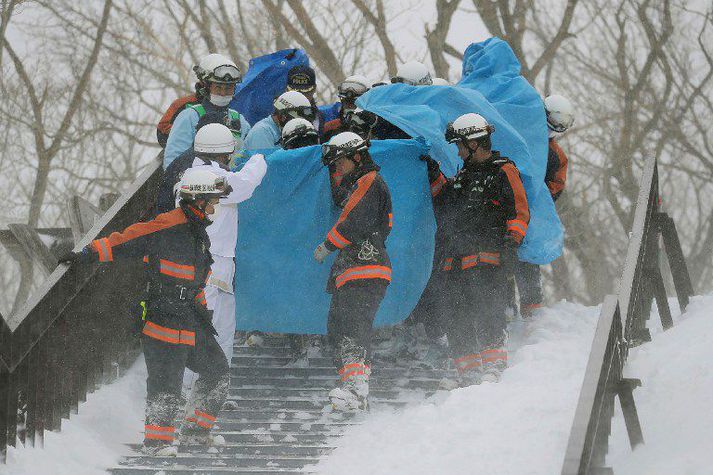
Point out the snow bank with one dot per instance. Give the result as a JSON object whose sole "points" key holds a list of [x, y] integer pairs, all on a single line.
{"points": [[518, 426], [92, 440], [674, 401]]}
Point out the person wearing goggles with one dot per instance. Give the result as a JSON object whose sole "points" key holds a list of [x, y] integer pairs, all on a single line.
{"points": [[348, 91], [218, 76]]}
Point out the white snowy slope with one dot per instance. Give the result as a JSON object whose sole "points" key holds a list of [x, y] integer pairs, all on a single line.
{"points": [[675, 401], [518, 426], [92, 440]]}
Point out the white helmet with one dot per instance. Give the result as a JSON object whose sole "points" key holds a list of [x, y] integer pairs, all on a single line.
{"points": [[200, 183], [344, 144], [468, 127], [441, 82], [298, 133], [560, 113], [217, 68], [294, 104], [413, 73], [353, 87], [214, 139]]}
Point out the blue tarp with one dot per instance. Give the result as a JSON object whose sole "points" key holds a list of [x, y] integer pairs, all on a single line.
{"points": [[279, 286], [492, 87], [265, 80]]}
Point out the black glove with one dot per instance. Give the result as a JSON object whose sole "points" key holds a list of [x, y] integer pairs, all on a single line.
{"points": [[510, 242], [431, 165], [71, 257]]}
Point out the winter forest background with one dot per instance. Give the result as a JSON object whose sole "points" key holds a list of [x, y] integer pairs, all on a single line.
{"points": [[84, 83]]}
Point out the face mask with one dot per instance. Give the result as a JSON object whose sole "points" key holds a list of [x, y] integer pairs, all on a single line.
{"points": [[220, 101]]}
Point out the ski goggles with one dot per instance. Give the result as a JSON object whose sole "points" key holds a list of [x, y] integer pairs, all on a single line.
{"points": [[226, 74], [351, 90], [303, 112], [362, 120]]}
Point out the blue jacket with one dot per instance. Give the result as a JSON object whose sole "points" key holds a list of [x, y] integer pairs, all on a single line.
{"points": [[183, 132], [265, 134]]}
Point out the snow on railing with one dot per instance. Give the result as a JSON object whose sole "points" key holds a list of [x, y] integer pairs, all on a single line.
{"points": [[74, 333], [622, 325]]}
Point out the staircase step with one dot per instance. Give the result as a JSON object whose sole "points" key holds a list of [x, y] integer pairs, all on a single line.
{"points": [[186, 460], [328, 372], [150, 470], [260, 448]]}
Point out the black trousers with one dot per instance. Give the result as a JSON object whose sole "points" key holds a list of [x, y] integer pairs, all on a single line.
{"points": [[166, 363], [529, 283], [474, 308], [426, 310], [351, 318]]}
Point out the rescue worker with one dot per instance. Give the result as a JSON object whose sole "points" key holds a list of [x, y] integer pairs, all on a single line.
{"points": [[560, 117], [213, 147], [413, 73], [220, 75], [178, 331], [484, 218], [301, 78], [348, 91], [361, 271], [298, 133], [266, 132]]}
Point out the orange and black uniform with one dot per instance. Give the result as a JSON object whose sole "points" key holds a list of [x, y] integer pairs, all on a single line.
{"points": [[556, 173], [362, 270], [178, 332], [527, 275], [332, 128], [163, 129], [477, 208]]}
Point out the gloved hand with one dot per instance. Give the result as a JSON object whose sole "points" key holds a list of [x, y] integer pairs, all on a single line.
{"points": [[511, 242], [321, 253], [432, 165], [71, 257]]}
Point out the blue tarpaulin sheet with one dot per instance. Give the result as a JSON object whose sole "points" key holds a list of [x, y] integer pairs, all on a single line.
{"points": [[265, 80], [492, 87], [279, 285]]}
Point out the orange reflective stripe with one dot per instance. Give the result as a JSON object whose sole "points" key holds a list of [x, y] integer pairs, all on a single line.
{"points": [[146, 259], [391, 220], [337, 239], [353, 369], [103, 248], [473, 260], [493, 355], [364, 272], [200, 298], [472, 356], [159, 432], [517, 226], [349, 366], [179, 271], [437, 185], [203, 419], [363, 185], [169, 335], [448, 263]]}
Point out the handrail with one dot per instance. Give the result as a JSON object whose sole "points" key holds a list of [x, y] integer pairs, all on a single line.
{"points": [[75, 331], [622, 324]]}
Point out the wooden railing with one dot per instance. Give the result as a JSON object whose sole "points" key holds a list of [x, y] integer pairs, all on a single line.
{"points": [[73, 334], [622, 325]]}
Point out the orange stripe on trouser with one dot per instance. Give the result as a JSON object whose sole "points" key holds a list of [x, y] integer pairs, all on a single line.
{"points": [[166, 433], [365, 272], [494, 355], [203, 419], [354, 369], [169, 335], [467, 362], [438, 184], [492, 258], [178, 271]]}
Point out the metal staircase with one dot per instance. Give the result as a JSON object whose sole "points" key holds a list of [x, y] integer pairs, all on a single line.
{"points": [[283, 422]]}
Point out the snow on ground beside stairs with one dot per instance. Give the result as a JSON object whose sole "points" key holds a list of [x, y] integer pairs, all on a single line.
{"points": [[675, 401], [92, 440], [518, 426]]}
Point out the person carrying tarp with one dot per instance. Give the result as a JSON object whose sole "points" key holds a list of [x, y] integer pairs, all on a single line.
{"points": [[266, 133], [220, 75], [484, 218], [178, 332], [560, 117], [362, 270]]}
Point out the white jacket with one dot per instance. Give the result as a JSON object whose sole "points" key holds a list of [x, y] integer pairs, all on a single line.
{"points": [[223, 232]]}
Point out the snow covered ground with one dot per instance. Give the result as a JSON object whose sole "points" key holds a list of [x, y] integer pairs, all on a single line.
{"points": [[675, 400], [92, 440], [517, 426]]}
